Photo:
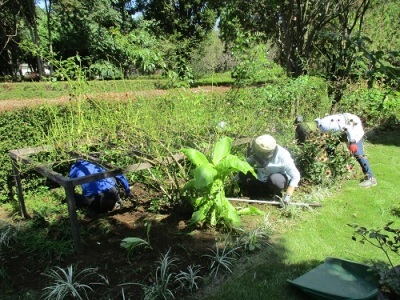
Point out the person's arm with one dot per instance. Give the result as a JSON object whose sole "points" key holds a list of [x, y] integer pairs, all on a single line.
{"points": [[124, 181], [294, 174]]}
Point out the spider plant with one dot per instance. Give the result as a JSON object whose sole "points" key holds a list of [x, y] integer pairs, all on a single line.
{"points": [[221, 259], [161, 287], [68, 283], [189, 280]]}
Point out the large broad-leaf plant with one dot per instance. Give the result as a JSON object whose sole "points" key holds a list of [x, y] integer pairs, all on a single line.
{"points": [[208, 182]]}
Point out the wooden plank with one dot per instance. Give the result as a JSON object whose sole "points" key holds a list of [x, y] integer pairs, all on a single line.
{"points": [[73, 218], [28, 151], [93, 177], [20, 194]]}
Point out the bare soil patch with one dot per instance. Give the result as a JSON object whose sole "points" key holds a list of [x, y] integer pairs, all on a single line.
{"points": [[7, 105]]}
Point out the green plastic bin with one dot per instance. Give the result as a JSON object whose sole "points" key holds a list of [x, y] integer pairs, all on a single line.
{"points": [[339, 279]]}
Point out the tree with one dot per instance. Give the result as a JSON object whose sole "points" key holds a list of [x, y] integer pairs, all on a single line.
{"points": [[185, 23], [28, 12], [9, 28], [293, 25]]}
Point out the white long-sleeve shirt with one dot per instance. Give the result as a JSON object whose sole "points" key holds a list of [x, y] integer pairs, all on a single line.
{"points": [[281, 162], [347, 122]]}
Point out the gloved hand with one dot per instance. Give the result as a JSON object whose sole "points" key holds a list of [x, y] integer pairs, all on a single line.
{"points": [[286, 199], [353, 148]]}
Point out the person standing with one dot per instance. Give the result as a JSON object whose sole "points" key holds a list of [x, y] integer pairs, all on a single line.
{"points": [[276, 172], [350, 125], [98, 196]]}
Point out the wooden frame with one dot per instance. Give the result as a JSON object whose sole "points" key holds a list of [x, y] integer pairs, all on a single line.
{"points": [[22, 156]]}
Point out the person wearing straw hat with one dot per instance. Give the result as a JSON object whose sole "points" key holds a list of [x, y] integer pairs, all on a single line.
{"points": [[277, 174]]}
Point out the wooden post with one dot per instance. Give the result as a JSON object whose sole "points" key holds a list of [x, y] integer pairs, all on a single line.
{"points": [[69, 192], [17, 177]]}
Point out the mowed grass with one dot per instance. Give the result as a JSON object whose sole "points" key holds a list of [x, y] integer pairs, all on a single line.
{"points": [[305, 242]]}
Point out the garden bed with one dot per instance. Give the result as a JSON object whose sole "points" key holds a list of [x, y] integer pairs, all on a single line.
{"points": [[101, 239]]}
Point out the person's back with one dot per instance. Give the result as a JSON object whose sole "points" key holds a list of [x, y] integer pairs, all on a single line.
{"points": [[83, 168]]}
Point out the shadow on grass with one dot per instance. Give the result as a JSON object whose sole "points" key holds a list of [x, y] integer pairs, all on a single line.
{"points": [[261, 276], [385, 135]]}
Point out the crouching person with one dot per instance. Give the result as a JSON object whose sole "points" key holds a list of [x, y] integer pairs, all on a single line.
{"points": [[97, 196], [277, 175]]}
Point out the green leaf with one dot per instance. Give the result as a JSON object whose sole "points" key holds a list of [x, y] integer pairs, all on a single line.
{"points": [[251, 210], [204, 175], [189, 185], [195, 156], [222, 149], [233, 163], [132, 242], [197, 216]]}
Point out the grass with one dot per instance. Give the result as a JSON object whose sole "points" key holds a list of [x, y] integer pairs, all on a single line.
{"points": [[305, 243]]}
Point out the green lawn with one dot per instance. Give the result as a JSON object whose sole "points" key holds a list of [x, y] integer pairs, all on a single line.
{"points": [[305, 242]]}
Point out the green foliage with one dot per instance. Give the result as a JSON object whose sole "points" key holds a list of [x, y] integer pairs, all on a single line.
{"points": [[209, 201], [69, 283], [8, 236], [131, 243], [388, 241], [373, 105], [253, 239], [323, 159], [251, 63]]}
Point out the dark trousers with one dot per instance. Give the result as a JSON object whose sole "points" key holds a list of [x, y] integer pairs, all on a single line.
{"points": [[362, 160], [99, 203], [252, 187]]}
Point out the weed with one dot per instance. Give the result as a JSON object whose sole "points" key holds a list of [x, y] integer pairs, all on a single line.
{"points": [[65, 283], [221, 259]]}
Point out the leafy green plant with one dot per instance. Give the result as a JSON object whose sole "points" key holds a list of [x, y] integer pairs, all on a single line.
{"points": [[131, 243], [189, 280], [387, 241], [323, 159], [68, 283], [208, 200], [221, 259]]}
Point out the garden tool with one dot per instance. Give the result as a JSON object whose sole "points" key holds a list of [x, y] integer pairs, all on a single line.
{"points": [[277, 203]]}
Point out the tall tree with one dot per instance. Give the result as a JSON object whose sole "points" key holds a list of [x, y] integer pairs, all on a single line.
{"points": [[10, 14], [190, 19], [28, 11], [293, 25]]}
